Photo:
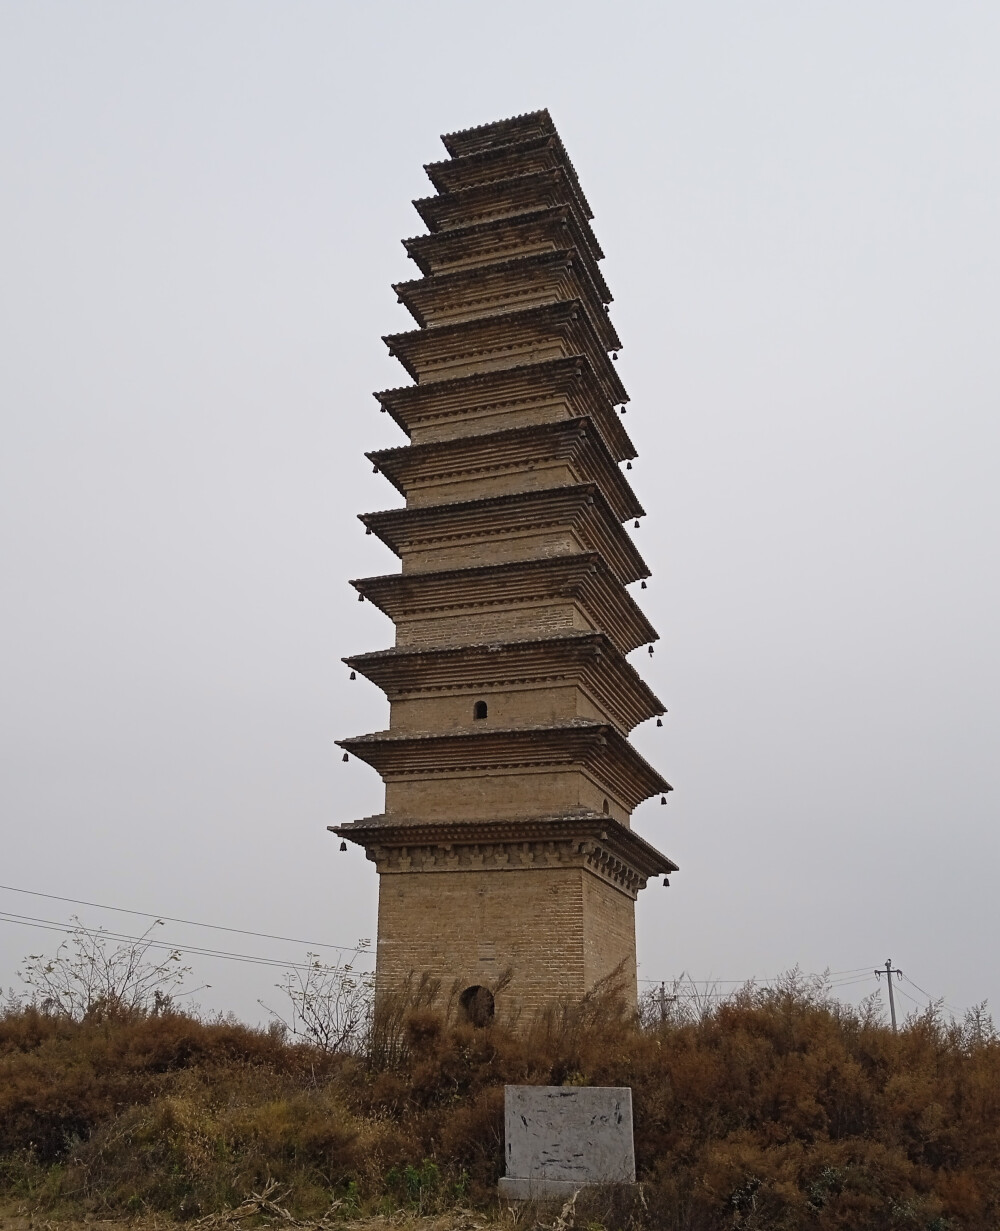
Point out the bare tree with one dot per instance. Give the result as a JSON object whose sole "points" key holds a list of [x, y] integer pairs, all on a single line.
{"points": [[95, 973], [330, 1005]]}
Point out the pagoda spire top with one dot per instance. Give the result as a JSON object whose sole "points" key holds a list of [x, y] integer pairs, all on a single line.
{"points": [[499, 132]]}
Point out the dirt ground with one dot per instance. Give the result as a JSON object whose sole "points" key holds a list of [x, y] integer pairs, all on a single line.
{"points": [[461, 1220], [458, 1220]]}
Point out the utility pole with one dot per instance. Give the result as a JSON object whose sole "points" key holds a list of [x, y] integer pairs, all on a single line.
{"points": [[889, 972], [663, 1001]]}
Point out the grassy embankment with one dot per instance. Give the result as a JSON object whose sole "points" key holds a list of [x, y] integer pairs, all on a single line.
{"points": [[779, 1109]]}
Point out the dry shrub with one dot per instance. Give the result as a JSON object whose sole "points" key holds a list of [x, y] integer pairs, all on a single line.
{"points": [[777, 1109], [389, 1041]]}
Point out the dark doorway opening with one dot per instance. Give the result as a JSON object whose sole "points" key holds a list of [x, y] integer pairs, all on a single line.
{"points": [[479, 710], [477, 1004]]}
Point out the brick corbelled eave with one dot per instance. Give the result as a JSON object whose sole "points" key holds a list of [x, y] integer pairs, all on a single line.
{"points": [[588, 659], [580, 507], [504, 285], [386, 830], [520, 195], [443, 403], [584, 579], [541, 230], [506, 339], [494, 165], [498, 132], [577, 440], [596, 747]]}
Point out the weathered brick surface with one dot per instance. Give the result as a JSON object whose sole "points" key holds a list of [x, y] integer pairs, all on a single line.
{"points": [[533, 935], [528, 544], [492, 623], [608, 932], [493, 418], [447, 367], [496, 794], [476, 486], [543, 926], [525, 706]]}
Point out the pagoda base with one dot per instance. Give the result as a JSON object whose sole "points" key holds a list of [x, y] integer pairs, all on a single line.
{"points": [[506, 918]]}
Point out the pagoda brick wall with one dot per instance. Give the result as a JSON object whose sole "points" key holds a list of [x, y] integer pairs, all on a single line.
{"points": [[469, 928], [608, 928], [492, 625], [507, 862], [495, 420], [493, 795]]}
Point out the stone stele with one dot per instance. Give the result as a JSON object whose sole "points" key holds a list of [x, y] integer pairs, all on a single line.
{"points": [[560, 1139]]}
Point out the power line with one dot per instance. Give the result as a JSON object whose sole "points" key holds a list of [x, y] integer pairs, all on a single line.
{"points": [[930, 1000], [713, 982], [53, 925], [145, 914], [912, 999], [836, 979], [831, 976], [919, 988], [714, 989], [702, 982]]}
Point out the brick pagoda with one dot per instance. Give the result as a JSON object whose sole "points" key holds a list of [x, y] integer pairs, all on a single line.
{"points": [[507, 862]]}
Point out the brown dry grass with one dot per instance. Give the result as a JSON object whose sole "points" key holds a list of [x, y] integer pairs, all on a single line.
{"points": [[460, 1220], [779, 1110]]}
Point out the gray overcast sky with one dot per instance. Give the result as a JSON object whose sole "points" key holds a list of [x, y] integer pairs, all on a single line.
{"points": [[200, 213]]}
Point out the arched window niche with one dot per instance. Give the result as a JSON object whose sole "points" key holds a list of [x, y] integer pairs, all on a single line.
{"points": [[477, 1005]]}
